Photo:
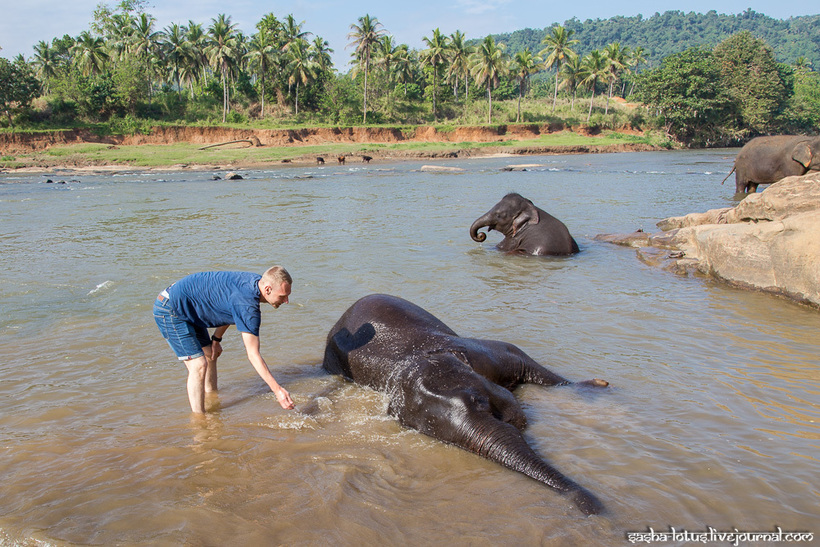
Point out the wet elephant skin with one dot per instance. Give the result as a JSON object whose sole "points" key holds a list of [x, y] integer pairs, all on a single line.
{"points": [[454, 389]]}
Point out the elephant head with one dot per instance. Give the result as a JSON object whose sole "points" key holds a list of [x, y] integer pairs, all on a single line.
{"points": [[807, 154], [484, 418], [508, 216]]}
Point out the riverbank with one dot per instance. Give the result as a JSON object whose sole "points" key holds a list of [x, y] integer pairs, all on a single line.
{"points": [[231, 148]]}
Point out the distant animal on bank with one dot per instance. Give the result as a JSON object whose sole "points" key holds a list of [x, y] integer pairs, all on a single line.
{"points": [[341, 160], [454, 389], [320, 160], [526, 228], [764, 160], [366, 159]]}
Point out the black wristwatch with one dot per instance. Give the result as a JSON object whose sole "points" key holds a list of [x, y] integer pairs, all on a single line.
{"points": [[216, 338]]}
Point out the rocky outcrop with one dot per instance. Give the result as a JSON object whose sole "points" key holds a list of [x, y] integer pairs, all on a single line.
{"points": [[770, 241]]}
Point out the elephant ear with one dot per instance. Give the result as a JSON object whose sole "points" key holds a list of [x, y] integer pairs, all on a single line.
{"points": [[802, 154], [528, 215], [457, 351]]}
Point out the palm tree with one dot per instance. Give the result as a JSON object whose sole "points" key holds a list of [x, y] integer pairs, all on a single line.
{"points": [[320, 53], [262, 56], [405, 65], [558, 51], [45, 62], [222, 54], [636, 60], [459, 62], [525, 65], [571, 72], [593, 67], [291, 31], [365, 36], [387, 56], [435, 56], [802, 64], [143, 38], [488, 65], [197, 42], [176, 52], [616, 58], [89, 54], [301, 69], [121, 32]]}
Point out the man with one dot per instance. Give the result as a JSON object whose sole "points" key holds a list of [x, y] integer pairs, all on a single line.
{"points": [[187, 309]]}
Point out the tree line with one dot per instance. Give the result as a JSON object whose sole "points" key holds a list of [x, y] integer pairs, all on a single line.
{"points": [[730, 93], [125, 69]]}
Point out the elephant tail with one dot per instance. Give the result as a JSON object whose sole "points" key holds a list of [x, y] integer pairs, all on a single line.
{"points": [[730, 174]]}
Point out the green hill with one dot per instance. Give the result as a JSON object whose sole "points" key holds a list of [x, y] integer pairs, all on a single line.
{"points": [[674, 31]]}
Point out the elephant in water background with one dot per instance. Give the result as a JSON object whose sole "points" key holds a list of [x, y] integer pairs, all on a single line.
{"points": [[526, 228], [454, 389], [764, 160]]}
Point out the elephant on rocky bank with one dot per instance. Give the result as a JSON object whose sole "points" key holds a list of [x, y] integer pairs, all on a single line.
{"points": [[526, 228], [454, 389], [764, 160]]}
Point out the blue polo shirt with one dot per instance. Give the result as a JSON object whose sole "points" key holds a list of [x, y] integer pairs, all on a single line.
{"points": [[213, 299]]}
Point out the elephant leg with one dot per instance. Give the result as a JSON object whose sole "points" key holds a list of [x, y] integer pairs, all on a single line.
{"points": [[505, 364], [595, 382], [508, 366]]}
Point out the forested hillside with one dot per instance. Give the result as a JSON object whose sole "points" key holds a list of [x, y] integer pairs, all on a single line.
{"points": [[672, 32]]}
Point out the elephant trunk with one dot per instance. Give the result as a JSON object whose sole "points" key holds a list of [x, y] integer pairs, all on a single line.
{"points": [[505, 445], [479, 223]]}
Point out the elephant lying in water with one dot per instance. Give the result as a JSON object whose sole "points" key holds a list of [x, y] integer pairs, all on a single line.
{"points": [[527, 229], [454, 389]]}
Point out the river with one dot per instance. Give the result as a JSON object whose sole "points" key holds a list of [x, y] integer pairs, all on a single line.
{"points": [[711, 422]]}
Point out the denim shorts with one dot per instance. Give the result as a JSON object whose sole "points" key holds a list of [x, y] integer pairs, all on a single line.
{"points": [[184, 338]]}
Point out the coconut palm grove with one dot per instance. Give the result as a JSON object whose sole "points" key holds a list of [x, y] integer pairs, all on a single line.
{"points": [[725, 79]]}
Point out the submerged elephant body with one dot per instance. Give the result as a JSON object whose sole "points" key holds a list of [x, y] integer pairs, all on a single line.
{"points": [[764, 160], [453, 389], [526, 228]]}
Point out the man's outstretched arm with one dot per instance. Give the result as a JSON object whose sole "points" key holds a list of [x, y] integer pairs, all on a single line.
{"points": [[255, 357]]}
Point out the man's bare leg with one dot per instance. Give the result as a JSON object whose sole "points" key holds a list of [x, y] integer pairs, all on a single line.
{"points": [[211, 377], [210, 373], [197, 369]]}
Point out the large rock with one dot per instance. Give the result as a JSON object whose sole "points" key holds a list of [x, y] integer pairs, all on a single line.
{"points": [[770, 241]]}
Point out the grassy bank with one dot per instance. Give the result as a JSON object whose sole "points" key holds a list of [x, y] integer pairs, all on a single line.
{"points": [[242, 155]]}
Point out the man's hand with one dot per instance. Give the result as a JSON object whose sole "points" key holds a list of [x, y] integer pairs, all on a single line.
{"points": [[284, 399], [216, 349]]}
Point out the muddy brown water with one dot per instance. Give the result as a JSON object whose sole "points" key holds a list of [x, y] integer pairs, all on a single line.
{"points": [[711, 420]]}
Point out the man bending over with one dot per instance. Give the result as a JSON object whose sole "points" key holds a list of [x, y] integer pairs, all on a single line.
{"points": [[187, 309]]}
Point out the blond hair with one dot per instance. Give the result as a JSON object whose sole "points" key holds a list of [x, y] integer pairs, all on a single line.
{"points": [[276, 275]]}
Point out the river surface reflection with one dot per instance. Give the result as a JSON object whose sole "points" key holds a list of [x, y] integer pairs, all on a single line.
{"points": [[711, 421]]}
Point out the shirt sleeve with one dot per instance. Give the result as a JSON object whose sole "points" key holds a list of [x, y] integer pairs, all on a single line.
{"points": [[247, 319]]}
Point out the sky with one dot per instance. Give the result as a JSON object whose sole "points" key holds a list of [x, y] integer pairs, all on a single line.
{"points": [[23, 23]]}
